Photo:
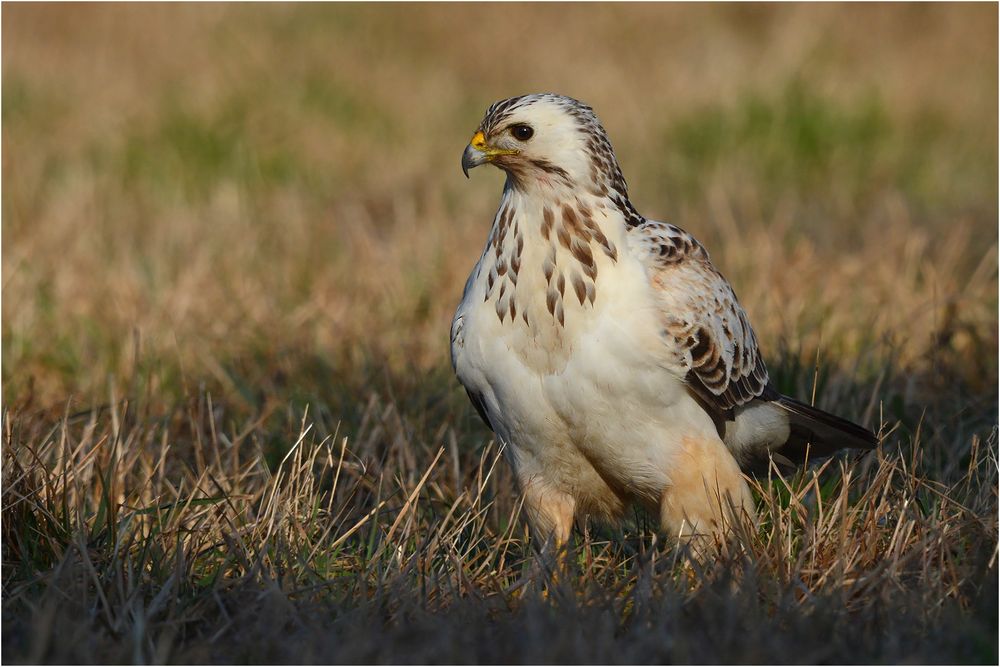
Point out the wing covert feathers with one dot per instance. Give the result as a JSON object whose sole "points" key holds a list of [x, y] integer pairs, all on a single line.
{"points": [[704, 324]]}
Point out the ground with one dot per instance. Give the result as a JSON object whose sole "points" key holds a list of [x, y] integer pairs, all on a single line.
{"points": [[233, 239]]}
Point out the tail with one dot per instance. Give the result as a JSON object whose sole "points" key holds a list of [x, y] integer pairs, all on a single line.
{"points": [[814, 433]]}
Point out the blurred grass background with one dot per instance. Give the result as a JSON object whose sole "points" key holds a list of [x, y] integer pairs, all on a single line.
{"points": [[260, 207], [210, 191]]}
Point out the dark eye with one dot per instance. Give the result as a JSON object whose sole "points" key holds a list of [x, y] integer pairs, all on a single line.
{"points": [[521, 132]]}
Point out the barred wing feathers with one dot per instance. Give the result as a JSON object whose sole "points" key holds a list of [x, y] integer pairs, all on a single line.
{"points": [[705, 329]]}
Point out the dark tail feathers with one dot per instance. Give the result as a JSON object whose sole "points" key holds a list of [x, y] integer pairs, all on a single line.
{"points": [[815, 433]]}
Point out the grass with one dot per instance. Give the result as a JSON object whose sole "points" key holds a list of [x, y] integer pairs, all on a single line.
{"points": [[233, 240]]}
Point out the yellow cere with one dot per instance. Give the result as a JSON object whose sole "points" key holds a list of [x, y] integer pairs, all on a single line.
{"points": [[478, 142]]}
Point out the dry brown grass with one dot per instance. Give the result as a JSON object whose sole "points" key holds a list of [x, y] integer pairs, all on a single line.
{"points": [[233, 239], [117, 550]]}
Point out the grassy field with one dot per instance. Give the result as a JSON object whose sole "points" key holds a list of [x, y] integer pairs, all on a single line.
{"points": [[233, 239]]}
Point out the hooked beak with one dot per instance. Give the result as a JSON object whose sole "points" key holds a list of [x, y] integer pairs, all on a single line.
{"points": [[472, 158], [479, 152]]}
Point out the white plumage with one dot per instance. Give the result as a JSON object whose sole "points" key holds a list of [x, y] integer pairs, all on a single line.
{"points": [[604, 349]]}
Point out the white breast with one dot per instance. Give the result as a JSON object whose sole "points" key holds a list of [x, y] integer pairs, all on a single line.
{"points": [[590, 401]]}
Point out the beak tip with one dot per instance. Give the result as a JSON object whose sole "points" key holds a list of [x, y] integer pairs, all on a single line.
{"points": [[471, 158]]}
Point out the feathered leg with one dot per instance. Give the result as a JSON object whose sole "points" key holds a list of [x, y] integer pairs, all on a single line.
{"points": [[550, 515], [707, 494]]}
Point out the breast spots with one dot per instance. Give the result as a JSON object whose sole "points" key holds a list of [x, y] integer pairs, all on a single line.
{"points": [[507, 243]]}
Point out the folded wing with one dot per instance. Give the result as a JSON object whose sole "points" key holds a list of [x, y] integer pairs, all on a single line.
{"points": [[705, 328]]}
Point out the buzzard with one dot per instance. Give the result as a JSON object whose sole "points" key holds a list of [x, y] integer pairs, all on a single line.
{"points": [[605, 350]]}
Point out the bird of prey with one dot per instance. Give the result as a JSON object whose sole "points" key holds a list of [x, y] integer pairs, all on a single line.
{"points": [[605, 350]]}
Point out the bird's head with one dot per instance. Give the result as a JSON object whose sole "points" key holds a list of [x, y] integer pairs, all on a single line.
{"points": [[546, 138]]}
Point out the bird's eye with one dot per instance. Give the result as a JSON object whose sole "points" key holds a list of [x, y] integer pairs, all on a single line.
{"points": [[521, 132]]}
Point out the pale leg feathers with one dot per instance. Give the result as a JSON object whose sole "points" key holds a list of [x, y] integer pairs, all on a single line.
{"points": [[707, 494], [550, 512]]}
